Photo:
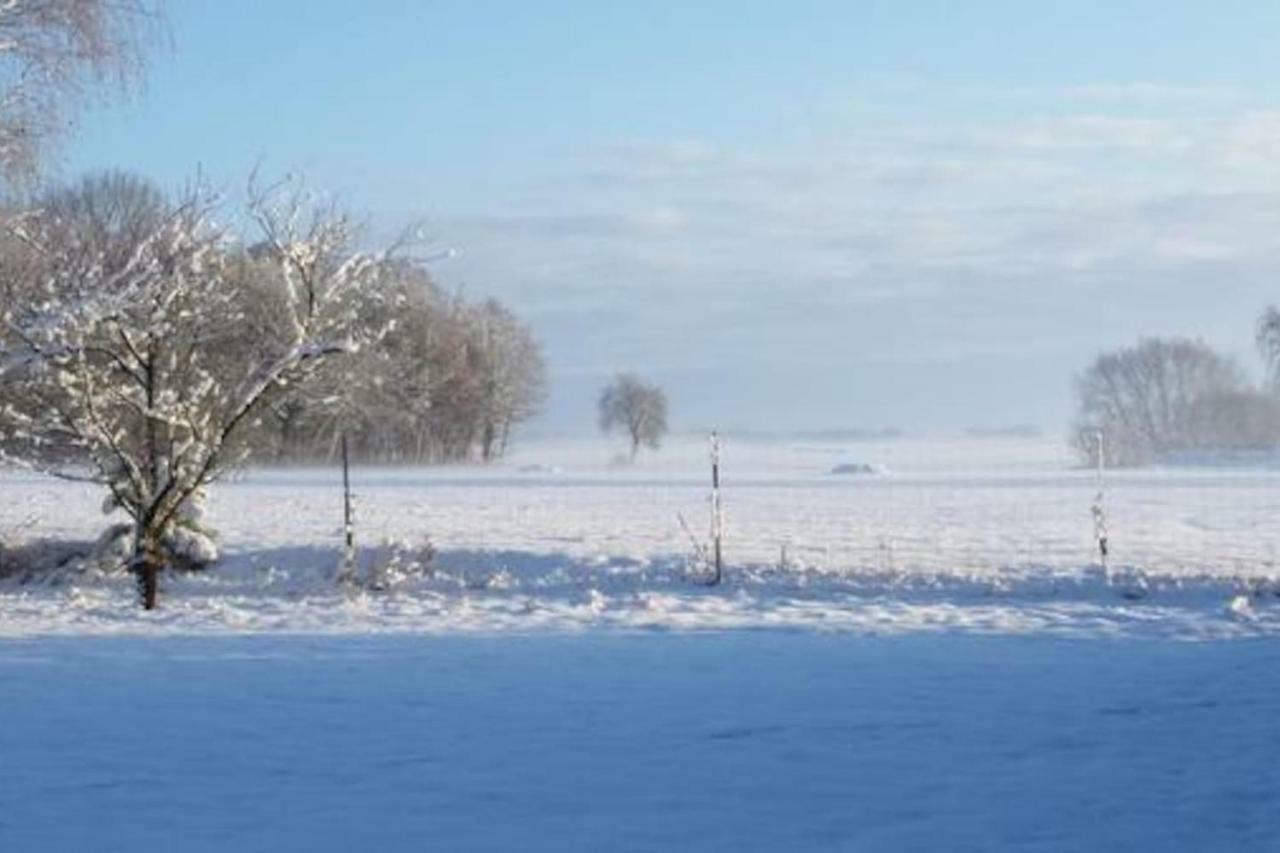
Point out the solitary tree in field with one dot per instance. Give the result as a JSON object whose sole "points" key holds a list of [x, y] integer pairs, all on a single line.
{"points": [[637, 407], [131, 370]]}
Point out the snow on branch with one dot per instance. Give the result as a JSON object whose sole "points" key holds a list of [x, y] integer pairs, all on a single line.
{"points": [[144, 364]]}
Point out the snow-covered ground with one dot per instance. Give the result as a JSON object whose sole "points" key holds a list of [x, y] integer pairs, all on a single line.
{"points": [[735, 741], [990, 534], [952, 671]]}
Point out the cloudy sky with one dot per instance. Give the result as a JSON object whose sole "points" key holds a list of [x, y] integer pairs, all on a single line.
{"points": [[795, 215]]}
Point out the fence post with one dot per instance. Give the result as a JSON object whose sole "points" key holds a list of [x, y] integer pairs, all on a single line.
{"points": [[1099, 503], [717, 515], [347, 575]]}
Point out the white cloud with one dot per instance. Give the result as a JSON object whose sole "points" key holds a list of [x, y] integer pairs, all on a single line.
{"points": [[951, 241], [1093, 132], [1146, 93]]}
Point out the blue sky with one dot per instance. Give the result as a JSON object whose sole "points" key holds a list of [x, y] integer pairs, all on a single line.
{"points": [[793, 215]]}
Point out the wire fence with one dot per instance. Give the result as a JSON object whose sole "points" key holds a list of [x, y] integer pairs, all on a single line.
{"points": [[972, 506], [975, 506]]}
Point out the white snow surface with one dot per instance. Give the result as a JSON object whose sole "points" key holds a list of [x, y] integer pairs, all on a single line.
{"points": [[984, 535], [737, 741]]}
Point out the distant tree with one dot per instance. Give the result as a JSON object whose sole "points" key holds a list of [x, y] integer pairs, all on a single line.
{"points": [[53, 54], [637, 407], [1165, 396]]}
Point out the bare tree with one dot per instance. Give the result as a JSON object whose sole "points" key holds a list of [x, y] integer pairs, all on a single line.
{"points": [[1154, 399], [512, 376], [448, 383], [53, 55], [637, 407], [129, 377], [105, 215], [1268, 339]]}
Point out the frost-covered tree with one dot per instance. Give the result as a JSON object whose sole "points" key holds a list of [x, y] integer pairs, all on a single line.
{"points": [[53, 54], [513, 381], [449, 383], [636, 407], [380, 397], [1166, 396], [132, 370]]}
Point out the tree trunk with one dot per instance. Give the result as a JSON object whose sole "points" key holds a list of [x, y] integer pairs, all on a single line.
{"points": [[487, 439], [146, 565], [505, 438], [150, 572]]}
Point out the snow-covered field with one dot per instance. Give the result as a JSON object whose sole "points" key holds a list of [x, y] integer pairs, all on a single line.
{"points": [[952, 671], [991, 535], [735, 741]]}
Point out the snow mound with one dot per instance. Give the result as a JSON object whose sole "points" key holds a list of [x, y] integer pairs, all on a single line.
{"points": [[857, 468]]}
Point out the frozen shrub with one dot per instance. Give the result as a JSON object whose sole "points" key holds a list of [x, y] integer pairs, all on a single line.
{"points": [[41, 559], [398, 562]]}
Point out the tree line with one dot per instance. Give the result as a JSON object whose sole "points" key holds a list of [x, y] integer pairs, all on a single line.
{"points": [[149, 347], [447, 380]]}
